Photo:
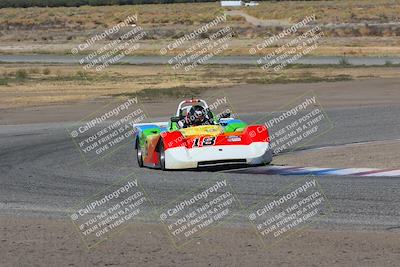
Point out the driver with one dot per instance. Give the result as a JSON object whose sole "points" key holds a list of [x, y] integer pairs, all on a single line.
{"points": [[196, 116]]}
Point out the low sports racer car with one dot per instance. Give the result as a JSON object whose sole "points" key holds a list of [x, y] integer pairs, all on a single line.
{"points": [[195, 137]]}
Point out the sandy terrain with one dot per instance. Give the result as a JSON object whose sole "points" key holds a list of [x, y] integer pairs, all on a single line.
{"points": [[55, 242], [380, 154]]}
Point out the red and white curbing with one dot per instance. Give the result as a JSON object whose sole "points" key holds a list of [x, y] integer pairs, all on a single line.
{"points": [[291, 170]]}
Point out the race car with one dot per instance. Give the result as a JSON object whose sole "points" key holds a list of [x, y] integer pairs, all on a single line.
{"points": [[195, 137]]}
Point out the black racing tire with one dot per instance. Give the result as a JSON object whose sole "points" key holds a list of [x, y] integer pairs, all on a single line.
{"points": [[161, 156], [139, 155]]}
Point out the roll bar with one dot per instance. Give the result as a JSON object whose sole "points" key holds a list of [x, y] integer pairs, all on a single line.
{"points": [[190, 101]]}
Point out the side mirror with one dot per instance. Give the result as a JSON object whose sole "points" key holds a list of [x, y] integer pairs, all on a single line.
{"points": [[175, 119]]}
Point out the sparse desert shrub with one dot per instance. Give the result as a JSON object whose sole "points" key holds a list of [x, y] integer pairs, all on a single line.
{"points": [[33, 70], [3, 81], [81, 74], [21, 75], [46, 71]]}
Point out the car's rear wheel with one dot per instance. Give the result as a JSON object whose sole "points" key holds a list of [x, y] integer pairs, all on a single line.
{"points": [[139, 155], [161, 156]]}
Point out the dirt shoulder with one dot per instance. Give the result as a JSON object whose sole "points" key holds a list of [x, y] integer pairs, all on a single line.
{"points": [[258, 98], [30, 85], [346, 94], [52, 242], [382, 154]]}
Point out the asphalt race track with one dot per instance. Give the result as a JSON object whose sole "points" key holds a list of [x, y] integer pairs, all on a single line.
{"points": [[42, 173]]}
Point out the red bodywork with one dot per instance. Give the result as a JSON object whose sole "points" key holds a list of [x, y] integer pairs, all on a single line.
{"points": [[253, 133]]}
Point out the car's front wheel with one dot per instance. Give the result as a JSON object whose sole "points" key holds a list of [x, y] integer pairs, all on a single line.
{"points": [[139, 155], [161, 156]]}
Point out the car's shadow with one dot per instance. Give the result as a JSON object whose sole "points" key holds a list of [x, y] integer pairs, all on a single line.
{"points": [[218, 168]]}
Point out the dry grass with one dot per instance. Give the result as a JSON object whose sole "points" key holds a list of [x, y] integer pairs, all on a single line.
{"points": [[57, 30], [89, 17], [363, 46], [338, 11], [66, 84]]}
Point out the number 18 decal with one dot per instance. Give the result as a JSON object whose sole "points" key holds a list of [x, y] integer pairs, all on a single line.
{"points": [[206, 141]]}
